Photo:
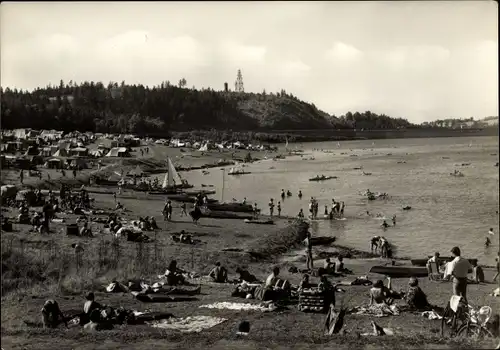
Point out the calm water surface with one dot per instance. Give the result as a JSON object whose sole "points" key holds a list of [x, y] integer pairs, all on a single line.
{"points": [[446, 210]]}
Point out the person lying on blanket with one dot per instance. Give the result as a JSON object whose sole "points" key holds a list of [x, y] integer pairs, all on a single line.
{"points": [[218, 273]]}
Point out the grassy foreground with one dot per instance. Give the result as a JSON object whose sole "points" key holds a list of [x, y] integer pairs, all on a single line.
{"points": [[35, 268]]}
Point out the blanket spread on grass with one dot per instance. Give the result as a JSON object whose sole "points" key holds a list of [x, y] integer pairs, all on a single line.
{"points": [[264, 307], [192, 324], [377, 310]]}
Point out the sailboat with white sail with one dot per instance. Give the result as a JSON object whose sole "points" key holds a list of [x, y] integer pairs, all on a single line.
{"points": [[172, 179]]}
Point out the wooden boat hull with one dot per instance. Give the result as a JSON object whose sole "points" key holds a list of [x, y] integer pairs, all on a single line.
{"points": [[225, 215], [400, 271], [236, 174], [259, 222], [202, 192], [186, 198], [234, 207], [324, 240]]}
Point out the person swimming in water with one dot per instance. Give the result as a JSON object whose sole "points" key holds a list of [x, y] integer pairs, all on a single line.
{"points": [[487, 243], [326, 210], [394, 220], [282, 194], [385, 224], [300, 194]]}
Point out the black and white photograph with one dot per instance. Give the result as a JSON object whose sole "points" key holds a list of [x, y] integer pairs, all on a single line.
{"points": [[249, 175]]}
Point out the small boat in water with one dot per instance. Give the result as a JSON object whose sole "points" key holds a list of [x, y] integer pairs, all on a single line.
{"points": [[322, 178], [367, 174], [400, 271], [237, 171], [457, 173]]}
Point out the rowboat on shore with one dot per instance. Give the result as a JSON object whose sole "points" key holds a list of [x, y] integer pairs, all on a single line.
{"points": [[202, 192], [400, 271], [225, 215], [423, 262], [183, 198], [234, 207], [260, 221]]}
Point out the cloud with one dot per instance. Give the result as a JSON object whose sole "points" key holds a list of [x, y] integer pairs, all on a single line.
{"points": [[414, 56], [142, 46], [343, 52], [238, 54], [292, 68]]}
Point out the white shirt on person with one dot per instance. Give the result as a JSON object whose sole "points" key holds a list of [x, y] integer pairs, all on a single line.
{"points": [[431, 260], [458, 267], [271, 280]]}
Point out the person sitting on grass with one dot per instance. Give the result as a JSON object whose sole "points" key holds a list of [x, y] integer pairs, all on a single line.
{"points": [[328, 289], [52, 315], [90, 304], [477, 273], [380, 294], [245, 276], [218, 273], [85, 231], [304, 283], [95, 323], [153, 224], [174, 274], [414, 297], [329, 267]]}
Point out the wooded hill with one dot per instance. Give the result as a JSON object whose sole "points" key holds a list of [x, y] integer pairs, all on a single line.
{"points": [[121, 108]]}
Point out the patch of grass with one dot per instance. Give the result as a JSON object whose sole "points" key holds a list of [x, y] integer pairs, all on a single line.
{"points": [[278, 242]]}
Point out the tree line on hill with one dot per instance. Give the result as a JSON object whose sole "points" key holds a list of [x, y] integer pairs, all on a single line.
{"points": [[158, 110]]}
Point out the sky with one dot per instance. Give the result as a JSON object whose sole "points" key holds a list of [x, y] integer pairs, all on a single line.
{"points": [[417, 60]]}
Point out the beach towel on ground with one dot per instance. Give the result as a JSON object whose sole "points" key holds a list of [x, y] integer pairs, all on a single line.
{"points": [[264, 307], [192, 324], [377, 310], [431, 315]]}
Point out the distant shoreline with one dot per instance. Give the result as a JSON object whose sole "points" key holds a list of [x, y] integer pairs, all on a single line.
{"points": [[320, 135]]}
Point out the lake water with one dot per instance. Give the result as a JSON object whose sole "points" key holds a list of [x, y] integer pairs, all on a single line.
{"points": [[446, 210]]}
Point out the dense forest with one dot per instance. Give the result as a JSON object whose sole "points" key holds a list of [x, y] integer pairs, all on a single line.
{"points": [[122, 108]]}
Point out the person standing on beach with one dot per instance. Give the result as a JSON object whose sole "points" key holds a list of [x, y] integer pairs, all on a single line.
{"points": [[184, 212], [271, 207], [278, 207], [458, 268], [309, 259]]}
